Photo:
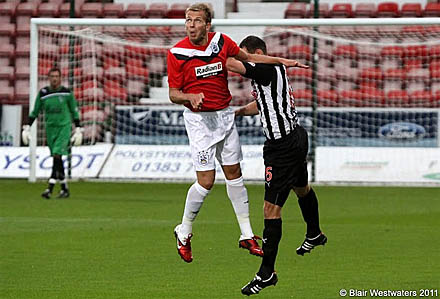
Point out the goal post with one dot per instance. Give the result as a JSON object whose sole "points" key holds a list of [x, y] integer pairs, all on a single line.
{"points": [[370, 78]]}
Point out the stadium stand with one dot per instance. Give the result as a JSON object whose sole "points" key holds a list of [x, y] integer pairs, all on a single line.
{"points": [[369, 71]]}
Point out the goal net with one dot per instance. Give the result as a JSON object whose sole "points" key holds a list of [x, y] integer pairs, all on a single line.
{"points": [[372, 82]]}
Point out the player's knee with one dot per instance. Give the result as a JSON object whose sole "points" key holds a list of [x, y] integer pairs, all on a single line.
{"points": [[302, 191], [206, 183], [232, 172]]}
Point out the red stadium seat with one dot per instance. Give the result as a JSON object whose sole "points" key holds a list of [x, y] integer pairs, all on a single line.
{"points": [[91, 10], [327, 98], [136, 71], [396, 98], [368, 84], [387, 10], [350, 97], [323, 10], [394, 51], [157, 11], [7, 95], [296, 10], [113, 10], [109, 62], [371, 74], [391, 57], [420, 51], [48, 10], [22, 91], [44, 65], [59, 2], [27, 8], [177, 10], [341, 10], [411, 10], [65, 49], [421, 98], [25, 11], [113, 90], [7, 73], [22, 72], [136, 11], [432, 9], [413, 63], [77, 72], [372, 97], [299, 52], [300, 74], [364, 10], [7, 11], [22, 49], [115, 73], [303, 97], [64, 11], [347, 51], [7, 32]]}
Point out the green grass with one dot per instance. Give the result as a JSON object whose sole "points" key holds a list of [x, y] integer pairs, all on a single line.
{"points": [[114, 240]]}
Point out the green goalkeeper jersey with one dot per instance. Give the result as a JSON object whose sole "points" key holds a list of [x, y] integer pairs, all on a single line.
{"points": [[59, 106]]}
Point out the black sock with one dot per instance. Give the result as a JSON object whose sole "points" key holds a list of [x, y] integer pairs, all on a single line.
{"points": [[271, 238], [309, 209], [50, 187], [59, 167]]}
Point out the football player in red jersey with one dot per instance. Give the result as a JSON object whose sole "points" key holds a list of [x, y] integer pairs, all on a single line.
{"points": [[198, 79]]}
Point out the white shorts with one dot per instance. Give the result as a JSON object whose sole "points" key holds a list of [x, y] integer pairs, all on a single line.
{"points": [[212, 135]]}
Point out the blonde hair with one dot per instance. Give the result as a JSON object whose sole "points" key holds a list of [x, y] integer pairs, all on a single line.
{"points": [[205, 7]]}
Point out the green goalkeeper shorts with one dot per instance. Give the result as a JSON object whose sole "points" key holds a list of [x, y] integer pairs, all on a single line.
{"points": [[58, 139]]}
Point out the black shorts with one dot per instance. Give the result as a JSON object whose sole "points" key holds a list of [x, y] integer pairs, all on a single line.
{"points": [[285, 162]]}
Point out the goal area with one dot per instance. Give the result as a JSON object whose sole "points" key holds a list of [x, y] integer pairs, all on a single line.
{"points": [[372, 83]]}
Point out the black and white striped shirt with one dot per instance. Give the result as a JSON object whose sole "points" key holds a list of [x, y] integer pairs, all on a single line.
{"points": [[274, 98]]}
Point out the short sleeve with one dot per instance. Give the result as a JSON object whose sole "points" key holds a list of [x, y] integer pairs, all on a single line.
{"points": [[231, 46], [175, 76]]}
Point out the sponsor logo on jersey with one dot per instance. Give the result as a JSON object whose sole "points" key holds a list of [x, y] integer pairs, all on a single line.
{"points": [[208, 70]]}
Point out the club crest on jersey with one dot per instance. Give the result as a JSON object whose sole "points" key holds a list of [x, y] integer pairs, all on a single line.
{"points": [[208, 70], [203, 158], [214, 47]]}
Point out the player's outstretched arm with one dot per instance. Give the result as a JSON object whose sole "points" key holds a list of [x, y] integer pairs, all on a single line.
{"points": [[257, 58]]}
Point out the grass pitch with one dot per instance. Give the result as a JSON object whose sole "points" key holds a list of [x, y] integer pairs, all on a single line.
{"points": [[115, 240]]}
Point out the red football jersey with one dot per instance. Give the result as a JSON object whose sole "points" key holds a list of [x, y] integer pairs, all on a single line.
{"points": [[195, 69]]}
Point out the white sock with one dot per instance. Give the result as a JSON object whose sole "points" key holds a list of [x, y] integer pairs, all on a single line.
{"points": [[194, 200], [238, 195]]}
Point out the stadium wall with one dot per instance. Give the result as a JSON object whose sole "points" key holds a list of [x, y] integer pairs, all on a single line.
{"points": [[353, 165]]}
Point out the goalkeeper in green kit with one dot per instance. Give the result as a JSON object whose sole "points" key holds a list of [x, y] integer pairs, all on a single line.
{"points": [[60, 108]]}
